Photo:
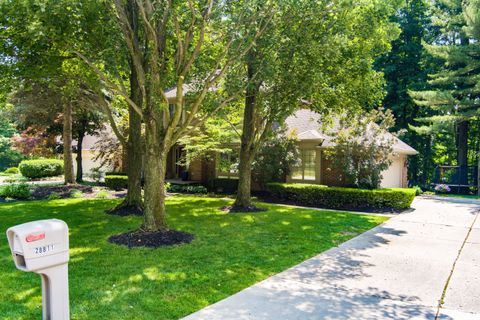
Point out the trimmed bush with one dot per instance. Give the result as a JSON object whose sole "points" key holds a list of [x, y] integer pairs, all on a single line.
{"points": [[342, 198], [178, 188], [112, 173], [34, 169], [102, 194], [76, 194], [20, 191], [12, 170], [54, 196], [116, 183]]}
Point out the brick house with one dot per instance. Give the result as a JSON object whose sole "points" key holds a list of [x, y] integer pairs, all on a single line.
{"points": [[315, 167]]}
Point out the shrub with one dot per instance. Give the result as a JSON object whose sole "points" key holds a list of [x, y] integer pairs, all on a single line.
{"points": [[95, 174], [76, 194], [20, 191], [418, 190], [12, 170], [116, 182], [275, 159], [442, 188], [361, 148], [112, 173], [34, 169], [185, 188], [54, 196], [346, 198], [103, 194]]}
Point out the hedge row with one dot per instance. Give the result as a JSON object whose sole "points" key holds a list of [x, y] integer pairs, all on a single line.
{"points": [[116, 182], [178, 188], [342, 198], [41, 168]]}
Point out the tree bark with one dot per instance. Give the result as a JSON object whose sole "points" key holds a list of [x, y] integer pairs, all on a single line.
{"points": [[247, 149], [134, 148], [243, 198], [135, 152], [67, 144], [81, 135], [462, 155], [157, 147], [134, 161]]}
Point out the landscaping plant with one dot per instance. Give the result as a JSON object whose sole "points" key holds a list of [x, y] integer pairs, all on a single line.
{"points": [[35, 169], [343, 198], [12, 170], [20, 191], [116, 182], [362, 149]]}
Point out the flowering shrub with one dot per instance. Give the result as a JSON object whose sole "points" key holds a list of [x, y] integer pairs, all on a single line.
{"points": [[442, 188], [362, 148]]}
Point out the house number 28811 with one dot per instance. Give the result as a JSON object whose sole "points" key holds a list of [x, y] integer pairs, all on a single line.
{"points": [[43, 249]]}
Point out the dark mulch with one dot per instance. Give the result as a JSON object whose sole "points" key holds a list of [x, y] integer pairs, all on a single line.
{"points": [[141, 238], [270, 199], [124, 210], [42, 192], [235, 209], [64, 191]]}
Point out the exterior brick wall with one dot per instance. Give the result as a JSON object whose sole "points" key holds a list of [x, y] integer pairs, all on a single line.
{"points": [[329, 176], [196, 170]]}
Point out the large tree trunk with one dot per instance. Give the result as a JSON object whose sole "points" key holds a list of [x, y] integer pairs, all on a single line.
{"points": [[247, 149], [462, 155], [133, 201], [67, 144], [243, 198], [155, 168], [81, 135], [134, 161]]}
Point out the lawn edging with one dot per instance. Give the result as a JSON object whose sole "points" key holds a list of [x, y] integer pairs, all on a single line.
{"points": [[342, 198]]}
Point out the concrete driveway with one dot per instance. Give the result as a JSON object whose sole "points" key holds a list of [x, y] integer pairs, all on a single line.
{"points": [[424, 264]]}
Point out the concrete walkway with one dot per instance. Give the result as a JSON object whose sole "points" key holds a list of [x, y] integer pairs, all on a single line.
{"points": [[424, 264]]}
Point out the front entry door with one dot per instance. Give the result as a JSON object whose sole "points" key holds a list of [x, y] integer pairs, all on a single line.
{"points": [[178, 158]]}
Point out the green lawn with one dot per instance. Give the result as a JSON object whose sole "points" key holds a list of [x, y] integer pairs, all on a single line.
{"points": [[230, 252], [463, 196]]}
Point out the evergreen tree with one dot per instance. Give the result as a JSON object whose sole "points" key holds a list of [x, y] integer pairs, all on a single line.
{"points": [[406, 67], [454, 93]]}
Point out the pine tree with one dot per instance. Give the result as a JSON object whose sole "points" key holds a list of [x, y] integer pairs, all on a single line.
{"points": [[454, 92]]}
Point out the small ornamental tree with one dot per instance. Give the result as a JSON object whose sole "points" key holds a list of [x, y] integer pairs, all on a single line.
{"points": [[362, 148], [275, 159]]}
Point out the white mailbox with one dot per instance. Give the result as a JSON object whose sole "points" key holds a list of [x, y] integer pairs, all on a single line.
{"points": [[42, 247]]}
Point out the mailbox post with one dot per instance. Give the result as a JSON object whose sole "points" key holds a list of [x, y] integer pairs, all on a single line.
{"points": [[42, 247]]}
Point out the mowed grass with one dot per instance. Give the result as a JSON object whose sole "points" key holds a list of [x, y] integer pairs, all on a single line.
{"points": [[230, 252], [462, 196]]}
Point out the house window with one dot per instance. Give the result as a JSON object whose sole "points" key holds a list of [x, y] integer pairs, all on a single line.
{"points": [[306, 168], [227, 165], [171, 109]]}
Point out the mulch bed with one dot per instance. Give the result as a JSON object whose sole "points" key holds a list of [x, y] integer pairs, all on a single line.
{"points": [[124, 211], [64, 191], [140, 238], [236, 209], [42, 192]]}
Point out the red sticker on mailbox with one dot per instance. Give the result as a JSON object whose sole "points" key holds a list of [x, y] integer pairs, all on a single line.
{"points": [[35, 237]]}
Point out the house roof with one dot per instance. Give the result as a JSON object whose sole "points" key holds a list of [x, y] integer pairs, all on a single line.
{"points": [[307, 126]]}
